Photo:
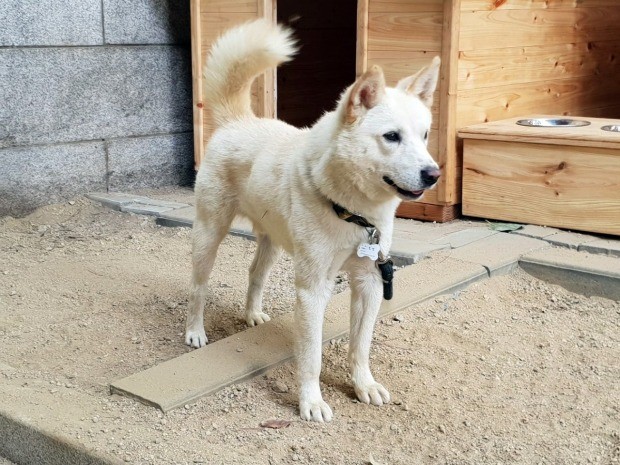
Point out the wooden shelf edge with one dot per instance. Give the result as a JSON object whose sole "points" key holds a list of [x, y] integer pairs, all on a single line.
{"points": [[428, 211]]}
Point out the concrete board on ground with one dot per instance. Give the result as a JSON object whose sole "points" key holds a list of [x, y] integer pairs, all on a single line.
{"points": [[579, 272], [535, 231], [498, 253], [180, 217], [425, 231], [609, 247], [466, 236], [113, 200], [408, 251], [569, 239], [193, 375], [142, 209]]}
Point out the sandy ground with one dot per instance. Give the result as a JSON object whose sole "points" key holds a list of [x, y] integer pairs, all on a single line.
{"points": [[512, 370]]}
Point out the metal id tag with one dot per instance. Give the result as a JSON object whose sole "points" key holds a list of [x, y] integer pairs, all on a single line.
{"points": [[368, 250]]}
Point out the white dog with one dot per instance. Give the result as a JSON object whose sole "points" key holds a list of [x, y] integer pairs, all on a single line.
{"points": [[298, 187]]}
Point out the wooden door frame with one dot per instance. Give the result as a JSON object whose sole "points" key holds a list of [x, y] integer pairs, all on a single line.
{"points": [[447, 188], [266, 104], [361, 52], [197, 102]]}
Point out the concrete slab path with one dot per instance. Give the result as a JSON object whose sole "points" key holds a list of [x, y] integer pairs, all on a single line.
{"points": [[580, 272]]}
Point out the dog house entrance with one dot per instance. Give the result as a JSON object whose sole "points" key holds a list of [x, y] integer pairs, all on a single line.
{"points": [[325, 65]]}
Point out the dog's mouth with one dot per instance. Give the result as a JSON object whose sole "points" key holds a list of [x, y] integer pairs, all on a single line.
{"points": [[413, 195]]}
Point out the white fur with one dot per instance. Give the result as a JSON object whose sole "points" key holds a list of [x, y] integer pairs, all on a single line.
{"points": [[285, 179]]}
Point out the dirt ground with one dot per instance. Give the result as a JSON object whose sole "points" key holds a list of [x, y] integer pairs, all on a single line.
{"points": [[511, 370]]}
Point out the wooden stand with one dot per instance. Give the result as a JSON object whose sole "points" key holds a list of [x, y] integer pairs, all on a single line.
{"points": [[553, 176]]}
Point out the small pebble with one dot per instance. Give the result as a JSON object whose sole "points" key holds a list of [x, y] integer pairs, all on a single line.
{"points": [[280, 387]]}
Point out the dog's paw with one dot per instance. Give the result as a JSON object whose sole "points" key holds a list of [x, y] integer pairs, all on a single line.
{"points": [[258, 318], [372, 393], [196, 338], [317, 411]]}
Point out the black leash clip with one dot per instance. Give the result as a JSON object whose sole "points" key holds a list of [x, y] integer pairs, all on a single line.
{"points": [[386, 266]]}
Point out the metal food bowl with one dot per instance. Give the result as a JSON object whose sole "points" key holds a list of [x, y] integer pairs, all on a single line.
{"points": [[553, 122], [611, 128]]}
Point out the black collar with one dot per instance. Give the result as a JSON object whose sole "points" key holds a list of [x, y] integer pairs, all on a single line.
{"points": [[349, 217]]}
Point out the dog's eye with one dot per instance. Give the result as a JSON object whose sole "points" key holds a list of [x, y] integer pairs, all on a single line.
{"points": [[392, 136], [426, 135]]}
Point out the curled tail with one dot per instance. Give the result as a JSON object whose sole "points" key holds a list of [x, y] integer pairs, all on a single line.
{"points": [[236, 58]]}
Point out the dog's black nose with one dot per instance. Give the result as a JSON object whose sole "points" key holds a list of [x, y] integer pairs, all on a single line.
{"points": [[430, 176]]}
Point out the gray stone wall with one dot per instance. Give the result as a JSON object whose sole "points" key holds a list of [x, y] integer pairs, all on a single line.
{"points": [[95, 95]]}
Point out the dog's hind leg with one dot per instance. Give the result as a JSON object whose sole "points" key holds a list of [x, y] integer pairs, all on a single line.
{"points": [[267, 253], [366, 296], [209, 230]]}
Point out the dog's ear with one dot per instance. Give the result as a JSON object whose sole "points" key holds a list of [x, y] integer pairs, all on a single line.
{"points": [[423, 83], [367, 91]]}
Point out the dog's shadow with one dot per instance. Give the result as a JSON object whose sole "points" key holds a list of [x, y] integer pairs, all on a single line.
{"points": [[223, 320], [335, 386], [339, 382]]}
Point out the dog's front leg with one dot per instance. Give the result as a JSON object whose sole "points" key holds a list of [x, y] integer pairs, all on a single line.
{"points": [[366, 295], [313, 293]]}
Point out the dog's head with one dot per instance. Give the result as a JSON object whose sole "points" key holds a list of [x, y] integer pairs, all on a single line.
{"points": [[385, 132]]}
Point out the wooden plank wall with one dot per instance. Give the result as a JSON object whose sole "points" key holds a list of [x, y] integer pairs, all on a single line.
{"points": [[215, 17], [519, 57], [403, 37]]}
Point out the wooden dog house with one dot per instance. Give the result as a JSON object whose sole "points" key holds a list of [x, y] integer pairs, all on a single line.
{"points": [[500, 59]]}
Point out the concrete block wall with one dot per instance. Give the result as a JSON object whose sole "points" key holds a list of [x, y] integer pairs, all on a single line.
{"points": [[95, 95]]}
